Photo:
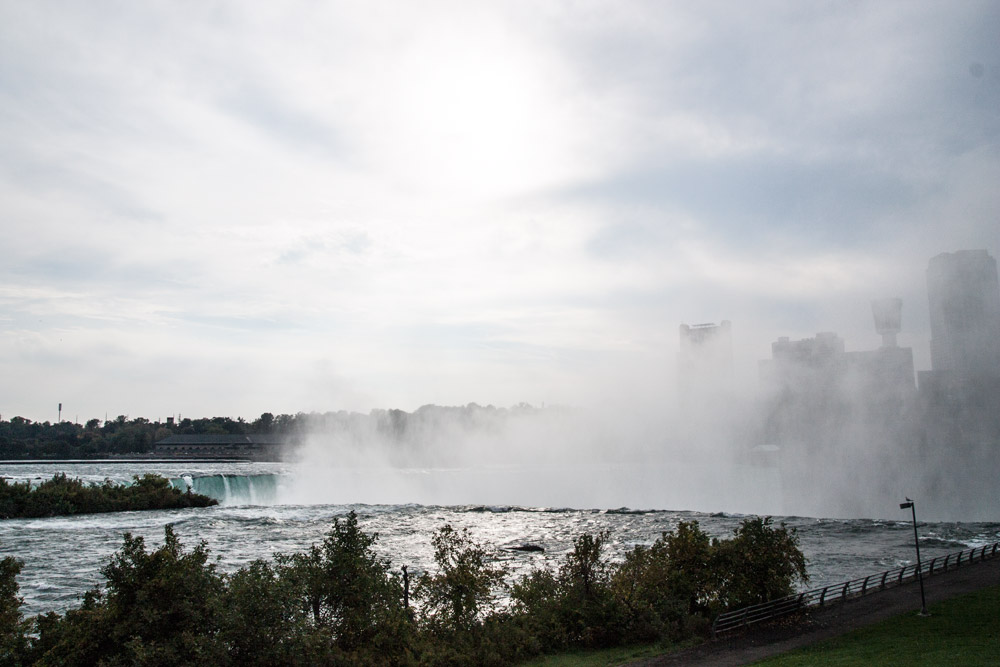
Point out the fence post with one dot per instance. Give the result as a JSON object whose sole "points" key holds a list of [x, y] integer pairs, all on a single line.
{"points": [[843, 593], [884, 575], [864, 586]]}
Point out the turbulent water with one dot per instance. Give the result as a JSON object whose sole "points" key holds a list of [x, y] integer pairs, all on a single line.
{"points": [[268, 508]]}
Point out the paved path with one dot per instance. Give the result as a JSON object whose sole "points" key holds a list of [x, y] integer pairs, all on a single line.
{"points": [[820, 624]]}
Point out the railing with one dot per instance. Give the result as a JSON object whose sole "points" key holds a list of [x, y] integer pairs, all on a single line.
{"points": [[826, 595]]}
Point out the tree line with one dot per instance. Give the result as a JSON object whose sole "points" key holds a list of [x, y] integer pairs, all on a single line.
{"points": [[339, 603], [22, 438]]}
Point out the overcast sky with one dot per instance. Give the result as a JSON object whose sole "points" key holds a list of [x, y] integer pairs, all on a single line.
{"points": [[225, 208]]}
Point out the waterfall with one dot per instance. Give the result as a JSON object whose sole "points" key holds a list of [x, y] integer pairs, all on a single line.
{"points": [[232, 489]]}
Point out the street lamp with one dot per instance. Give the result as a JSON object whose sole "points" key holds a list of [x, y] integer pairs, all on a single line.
{"points": [[910, 505]]}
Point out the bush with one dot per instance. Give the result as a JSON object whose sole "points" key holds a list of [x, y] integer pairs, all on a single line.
{"points": [[158, 608], [465, 590], [762, 562], [340, 603], [353, 600], [13, 629]]}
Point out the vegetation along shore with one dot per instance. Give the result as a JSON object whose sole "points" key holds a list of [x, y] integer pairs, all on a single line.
{"points": [[339, 602]]}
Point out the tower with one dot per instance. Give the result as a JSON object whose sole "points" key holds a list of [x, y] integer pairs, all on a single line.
{"points": [[888, 315]]}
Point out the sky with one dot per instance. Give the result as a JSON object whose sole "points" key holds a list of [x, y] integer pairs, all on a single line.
{"points": [[227, 208]]}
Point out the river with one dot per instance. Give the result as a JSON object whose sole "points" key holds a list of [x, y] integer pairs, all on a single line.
{"points": [[270, 507]]}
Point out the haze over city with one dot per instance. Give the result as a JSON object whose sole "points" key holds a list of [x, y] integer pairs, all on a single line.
{"points": [[232, 208]]}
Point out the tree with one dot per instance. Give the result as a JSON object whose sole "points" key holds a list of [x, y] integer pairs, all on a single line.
{"points": [[688, 552], [264, 423], [465, 588], [158, 608], [760, 563], [261, 622], [585, 571], [13, 636], [347, 589]]}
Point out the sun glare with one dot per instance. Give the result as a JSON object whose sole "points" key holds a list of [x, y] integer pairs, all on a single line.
{"points": [[473, 118]]}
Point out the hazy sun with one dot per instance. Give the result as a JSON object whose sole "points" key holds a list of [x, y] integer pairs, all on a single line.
{"points": [[474, 117]]}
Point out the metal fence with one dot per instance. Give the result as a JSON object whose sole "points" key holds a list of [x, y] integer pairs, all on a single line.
{"points": [[835, 593]]}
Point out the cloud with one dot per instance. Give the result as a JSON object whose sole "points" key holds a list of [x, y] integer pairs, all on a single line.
{"points": [[449, 202]]}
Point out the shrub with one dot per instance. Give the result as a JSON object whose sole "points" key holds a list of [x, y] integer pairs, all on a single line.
{"points": [[465, 588], [13, 636], [760, 563], [353, 600]]}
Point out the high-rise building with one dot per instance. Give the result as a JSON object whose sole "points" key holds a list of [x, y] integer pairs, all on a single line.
{"points": [[964, 297], [705, 357], [705, 380]]}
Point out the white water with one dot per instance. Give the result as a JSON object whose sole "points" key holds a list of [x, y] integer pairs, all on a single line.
{"points": [[260, 515]]}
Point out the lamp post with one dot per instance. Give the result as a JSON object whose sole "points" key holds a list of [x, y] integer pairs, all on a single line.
{"points": [[909, 504]]}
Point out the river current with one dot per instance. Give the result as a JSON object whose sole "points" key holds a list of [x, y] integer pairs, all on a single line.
{"points": [[268, 508]]}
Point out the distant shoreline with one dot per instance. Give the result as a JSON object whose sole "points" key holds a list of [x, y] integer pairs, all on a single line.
{"points": [[123, 460]]}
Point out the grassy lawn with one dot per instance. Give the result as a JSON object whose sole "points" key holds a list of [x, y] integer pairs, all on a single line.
{"points": [[961, 631], [607, 657]]}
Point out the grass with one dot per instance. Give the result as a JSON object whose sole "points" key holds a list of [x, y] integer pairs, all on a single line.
{"points": [[611, 656], [964, 630], [601, 658]]}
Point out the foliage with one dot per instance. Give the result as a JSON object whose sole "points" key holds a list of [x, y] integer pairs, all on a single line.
{"points": [[338, 602], [158, 608], [260, 620], [464, 590], [62, 496], [346, 590], [13, 637], [760, 563]]}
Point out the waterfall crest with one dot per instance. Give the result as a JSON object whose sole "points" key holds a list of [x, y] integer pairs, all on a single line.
{"points": [[232, 489]]}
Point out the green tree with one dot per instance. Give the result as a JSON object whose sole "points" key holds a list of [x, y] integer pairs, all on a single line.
{"points": [[158, 608], [592, 614], [465, 588], [688, 576], [761, 562], [13, 629], [261, 622], [348, 590], [585, 570]]}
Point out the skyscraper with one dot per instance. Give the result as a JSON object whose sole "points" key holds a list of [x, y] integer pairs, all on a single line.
{"points": [[964, 297], [705, 359]]}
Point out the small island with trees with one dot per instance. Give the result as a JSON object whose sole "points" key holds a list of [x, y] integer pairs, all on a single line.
{"points": [[63, 496]]}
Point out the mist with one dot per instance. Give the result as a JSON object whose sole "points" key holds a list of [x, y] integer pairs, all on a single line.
{"points": [[823, 430], [534, 457], [239, 207]]}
